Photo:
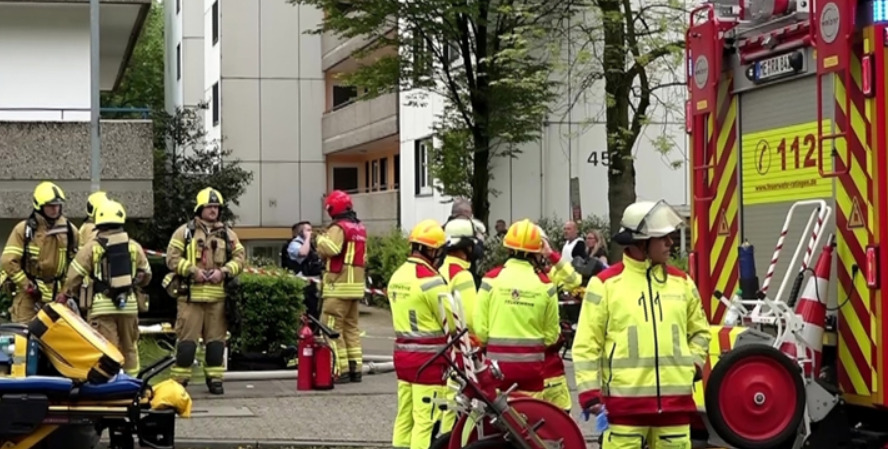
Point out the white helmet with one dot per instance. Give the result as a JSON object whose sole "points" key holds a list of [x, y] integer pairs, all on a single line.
{"points": [[457, 230], [646, 220]]}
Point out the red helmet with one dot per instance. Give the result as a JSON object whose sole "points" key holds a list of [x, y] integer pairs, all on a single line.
{"points": [[337, 202]]}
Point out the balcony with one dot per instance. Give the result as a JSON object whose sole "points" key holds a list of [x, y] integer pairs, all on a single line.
{"points": [[37, 149], [377, 210], [359, 123], [336, 49]]}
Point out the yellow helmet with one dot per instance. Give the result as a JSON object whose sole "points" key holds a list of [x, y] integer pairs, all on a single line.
{"points": [[110, 212], [93, 202], [47, 193], [428, 233], [208, 197], [524, 236]]}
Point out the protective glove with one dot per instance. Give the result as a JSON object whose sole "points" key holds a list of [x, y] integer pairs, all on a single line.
{"points": [[698, 373]]}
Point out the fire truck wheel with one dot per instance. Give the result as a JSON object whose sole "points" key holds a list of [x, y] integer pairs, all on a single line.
{"points": [[755, 397]]}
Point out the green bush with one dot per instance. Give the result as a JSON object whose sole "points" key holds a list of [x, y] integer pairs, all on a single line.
{"points": [[270, 306], [385, 254]]}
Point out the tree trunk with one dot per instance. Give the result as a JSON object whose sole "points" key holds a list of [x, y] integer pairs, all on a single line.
{"points": [[621, 171], [481, 179]]}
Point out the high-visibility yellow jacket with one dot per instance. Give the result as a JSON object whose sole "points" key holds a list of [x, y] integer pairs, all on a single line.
{"points": [[90, 262], [459, 278], [207, 249], [416, 291], [50, 248], [516, 318], [641, 332], [565, 278]]}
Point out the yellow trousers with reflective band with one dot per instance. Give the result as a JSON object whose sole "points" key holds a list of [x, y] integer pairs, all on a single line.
{"points": [[557, 392], [341, 315], [640, 437], [449, 418], [416, 421]]}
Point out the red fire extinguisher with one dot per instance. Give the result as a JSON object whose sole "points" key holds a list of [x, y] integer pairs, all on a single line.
{"points": [[323, 366], [305, 359]]}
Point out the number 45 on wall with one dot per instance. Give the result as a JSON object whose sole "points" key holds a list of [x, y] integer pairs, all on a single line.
{"points": [[599, 157]]}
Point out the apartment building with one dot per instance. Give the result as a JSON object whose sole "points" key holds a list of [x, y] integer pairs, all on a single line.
{"points": [[45, 106], [361, 140], [261, 76]]}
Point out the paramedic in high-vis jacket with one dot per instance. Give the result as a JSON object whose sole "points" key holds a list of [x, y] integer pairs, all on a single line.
{"points": [[516, 314], [642, 338], [115, 265], [38, 252], [203, 255]]}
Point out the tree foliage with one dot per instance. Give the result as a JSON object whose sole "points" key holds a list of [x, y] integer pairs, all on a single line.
{"points": [[490, 61], [142, 84], [180, 174], [636, 47]]}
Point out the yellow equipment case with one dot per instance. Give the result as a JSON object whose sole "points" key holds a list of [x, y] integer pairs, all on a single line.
{"points": [[74, 348]]}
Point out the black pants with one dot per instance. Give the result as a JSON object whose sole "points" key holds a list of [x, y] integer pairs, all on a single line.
{"points": [[311, 299]]}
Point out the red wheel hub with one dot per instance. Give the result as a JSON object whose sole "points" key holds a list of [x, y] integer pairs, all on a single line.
{"points": [[758, 398]]}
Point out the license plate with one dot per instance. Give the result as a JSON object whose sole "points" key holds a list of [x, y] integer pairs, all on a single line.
{"points": [[774, 67]]}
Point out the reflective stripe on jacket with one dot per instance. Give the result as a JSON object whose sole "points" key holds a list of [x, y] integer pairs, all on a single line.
{"points": [[89, 262], [207, 250], [47, 251], [516, 318], [415, 291], [459, 278], [640, 334], [343, 246]]}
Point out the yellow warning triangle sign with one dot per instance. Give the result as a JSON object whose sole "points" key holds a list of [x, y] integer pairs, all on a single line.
{"points": [[855, 218], [723, 228]]}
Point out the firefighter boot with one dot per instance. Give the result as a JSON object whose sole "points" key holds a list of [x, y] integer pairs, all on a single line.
{"points": [[214, 384], [343, 378], [354, 373]]}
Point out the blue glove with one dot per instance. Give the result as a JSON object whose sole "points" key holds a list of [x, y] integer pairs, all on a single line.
{"points": [[601, 423]]}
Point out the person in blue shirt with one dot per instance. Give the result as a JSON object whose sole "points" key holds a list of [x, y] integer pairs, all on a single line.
{"points": [[302, 259], [297, 251]]}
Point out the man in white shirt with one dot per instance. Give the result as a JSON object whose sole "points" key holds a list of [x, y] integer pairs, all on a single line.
{"points": [[574, 246]]}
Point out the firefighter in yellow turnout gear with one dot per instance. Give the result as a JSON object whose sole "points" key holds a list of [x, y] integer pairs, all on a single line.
{"points": [[460, 250], [114, 264], [415, 291], [516, 316], [38, 252], [203, 255], [642, 338], [87, 229]]}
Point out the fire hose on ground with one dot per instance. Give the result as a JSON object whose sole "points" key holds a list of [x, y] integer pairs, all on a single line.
{"points": [[368, 368]]}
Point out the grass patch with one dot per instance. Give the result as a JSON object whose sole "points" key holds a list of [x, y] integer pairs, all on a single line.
{"points": [[153, 348]]}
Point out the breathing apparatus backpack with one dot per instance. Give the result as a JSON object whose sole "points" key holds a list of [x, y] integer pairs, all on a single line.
{"points": [[70, 251], [116, 281]]}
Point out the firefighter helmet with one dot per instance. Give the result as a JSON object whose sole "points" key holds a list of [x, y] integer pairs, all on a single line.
{"points": [[110, 212], [460, 233], [645, 220], [524, 236], [93, 202], [428, 233], [208, 197], [46, 194], [337, 202]]}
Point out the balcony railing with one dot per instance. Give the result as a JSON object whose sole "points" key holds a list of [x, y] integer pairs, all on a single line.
{"points": [[360, 122]]}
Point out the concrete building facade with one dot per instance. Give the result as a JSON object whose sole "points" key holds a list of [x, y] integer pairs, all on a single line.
{"points": [[45, 106], [260, 75]]}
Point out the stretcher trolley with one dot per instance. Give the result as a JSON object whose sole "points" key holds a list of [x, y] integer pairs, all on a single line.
{"points": [[788, 101], [32, 408]]}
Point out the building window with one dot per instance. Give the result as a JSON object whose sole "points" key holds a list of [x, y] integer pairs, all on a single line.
{"points": [[179, 61], [422, 57], [345, 179], [383, 174], [374, 175], [421, 150], [215, 13], [215, 104], [397, 171], [343, 96]]}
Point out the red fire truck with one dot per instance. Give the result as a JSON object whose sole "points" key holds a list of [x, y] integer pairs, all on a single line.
{"points": [[788, 121]]}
